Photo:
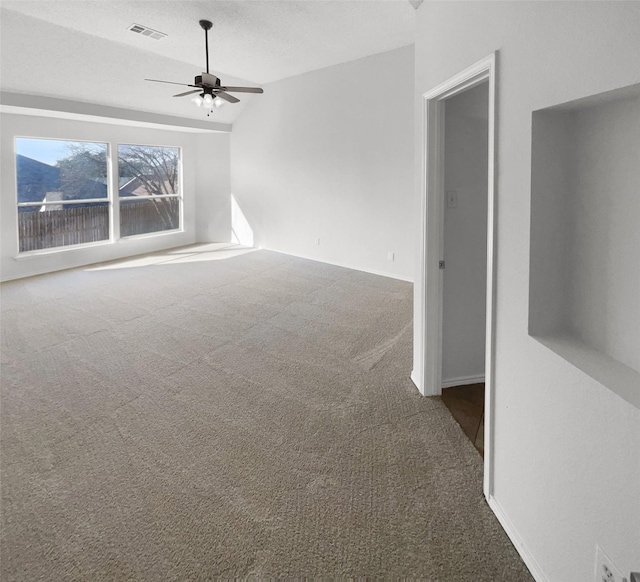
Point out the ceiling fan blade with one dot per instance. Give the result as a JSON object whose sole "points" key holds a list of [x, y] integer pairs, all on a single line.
{"points": [[188, 93], [170, 82], [227, 97], [243, 89]]}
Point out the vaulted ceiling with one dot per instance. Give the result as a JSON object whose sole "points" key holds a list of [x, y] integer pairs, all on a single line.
{"points": [[83, 50]]}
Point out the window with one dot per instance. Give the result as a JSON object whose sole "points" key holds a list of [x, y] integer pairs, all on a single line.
{"points": [[62, 194], [149, 189]]}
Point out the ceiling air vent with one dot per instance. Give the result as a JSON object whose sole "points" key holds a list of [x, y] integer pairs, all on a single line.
{"points": [[145, 31]]}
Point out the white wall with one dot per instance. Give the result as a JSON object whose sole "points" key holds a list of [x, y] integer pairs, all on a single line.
{"points": [[605, 256], [551, 168], [566, 456], [198, 154], [213, 187], [465, 236], [328, 155]]}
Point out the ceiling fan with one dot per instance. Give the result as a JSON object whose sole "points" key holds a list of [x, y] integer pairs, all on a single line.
{"points": [[209, 87]]}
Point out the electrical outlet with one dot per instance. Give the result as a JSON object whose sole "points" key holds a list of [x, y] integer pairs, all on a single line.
{"points": [[391, 256], [606, 570], [452, 199], [318, 241]]}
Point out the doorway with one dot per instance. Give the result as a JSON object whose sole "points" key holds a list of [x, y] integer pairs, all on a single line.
{"points": [[466, 135], [433, 359]]}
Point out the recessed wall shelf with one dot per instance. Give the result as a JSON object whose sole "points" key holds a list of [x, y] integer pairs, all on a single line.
{"points": [[584, 283]]}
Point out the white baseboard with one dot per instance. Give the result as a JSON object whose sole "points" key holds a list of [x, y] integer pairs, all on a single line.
{"points": [[462, 381], [414, 379], [516, 540], [344, 265]]}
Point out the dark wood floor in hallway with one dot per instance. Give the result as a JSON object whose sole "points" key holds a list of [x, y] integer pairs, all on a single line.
{"points": [[466, 404]]}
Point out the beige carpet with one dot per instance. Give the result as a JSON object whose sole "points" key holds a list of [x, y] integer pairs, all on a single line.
{"points": [[189, 418]]}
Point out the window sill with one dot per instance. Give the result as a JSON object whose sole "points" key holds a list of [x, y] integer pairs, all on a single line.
{"points": [[57, 250], [27, 255]]}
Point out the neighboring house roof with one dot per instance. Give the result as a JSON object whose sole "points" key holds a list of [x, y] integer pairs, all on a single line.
{"points": [[136, 187], [127, 186], [92, 189], [35, 179]]}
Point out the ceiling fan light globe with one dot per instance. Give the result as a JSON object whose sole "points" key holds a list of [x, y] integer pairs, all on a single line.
{"points": [[218, 102], [208, 100], [198, 100]]}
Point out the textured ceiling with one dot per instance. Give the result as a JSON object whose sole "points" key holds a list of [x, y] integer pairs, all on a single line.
{"points": [[258, 40], [82, 50]]}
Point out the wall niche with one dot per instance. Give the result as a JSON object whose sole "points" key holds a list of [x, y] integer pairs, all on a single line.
{"points": [[584, 279]]}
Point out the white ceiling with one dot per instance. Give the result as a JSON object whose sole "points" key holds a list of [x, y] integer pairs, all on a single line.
{"points": [[257, 40], [82, 50]]}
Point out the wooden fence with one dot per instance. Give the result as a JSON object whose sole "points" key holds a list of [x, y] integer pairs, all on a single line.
{"points": [[145, 216], [74, 225]]}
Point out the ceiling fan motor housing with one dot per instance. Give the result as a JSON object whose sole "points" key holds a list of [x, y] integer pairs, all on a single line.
{"points": [[206, 79]]}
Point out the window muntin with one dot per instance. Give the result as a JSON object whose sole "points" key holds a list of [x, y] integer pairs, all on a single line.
{"points": [[62, 193], [148, 189]]}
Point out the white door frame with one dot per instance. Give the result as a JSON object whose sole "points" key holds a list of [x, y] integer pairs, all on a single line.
{"points": [[427, 372]]}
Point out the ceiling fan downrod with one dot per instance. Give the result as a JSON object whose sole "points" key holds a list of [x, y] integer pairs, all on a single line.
{"points": [[206, 26]]}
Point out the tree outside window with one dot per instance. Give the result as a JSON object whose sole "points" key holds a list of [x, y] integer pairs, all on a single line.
{"points": [[149, 189]]}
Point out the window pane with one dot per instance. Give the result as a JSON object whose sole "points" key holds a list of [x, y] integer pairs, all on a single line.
{"points": [[148, 170], [51, 169], [149, 215], [60, 225]]}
